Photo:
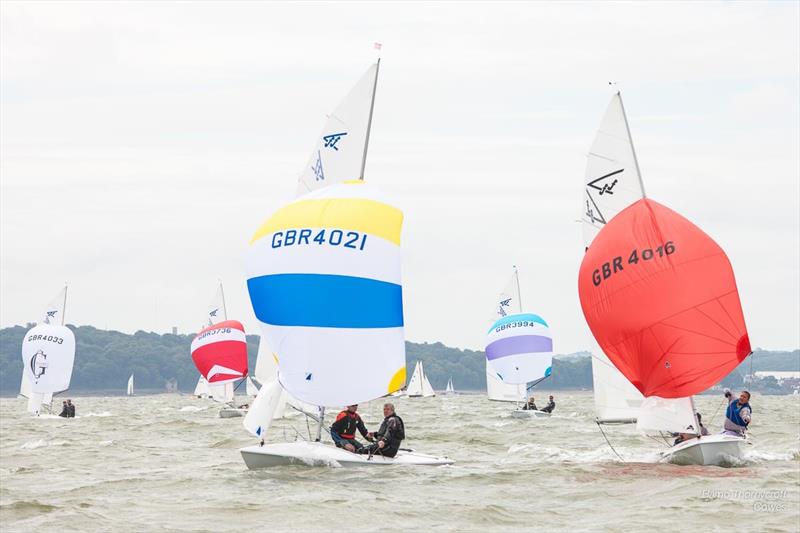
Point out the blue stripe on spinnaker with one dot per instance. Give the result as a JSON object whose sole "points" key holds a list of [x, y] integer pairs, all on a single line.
{"points": [[530, 317], [326, 301]]}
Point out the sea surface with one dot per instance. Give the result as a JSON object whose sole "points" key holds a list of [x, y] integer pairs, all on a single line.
{"points": [[170, 463]]}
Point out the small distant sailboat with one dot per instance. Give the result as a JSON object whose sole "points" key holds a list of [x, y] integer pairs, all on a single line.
{"points": [[310, 267], [48, 355], [683, 330], [449, 389], [219, 352], [130, 386], [519, 346], [419, 386]]}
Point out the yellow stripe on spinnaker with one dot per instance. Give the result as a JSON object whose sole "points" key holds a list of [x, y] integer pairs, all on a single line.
{"points": [[356, 214], [398, 381]]}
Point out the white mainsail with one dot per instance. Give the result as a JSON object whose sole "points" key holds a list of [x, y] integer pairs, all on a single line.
{"points": [[55, 310], [201, 389], [616, 400], [612, 181], [340, 150], [222, 392], [510, 300], [449, 387], [503, 392], [217, 311], [130, 386]]}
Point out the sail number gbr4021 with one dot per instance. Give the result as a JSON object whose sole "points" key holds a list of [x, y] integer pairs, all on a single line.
{"points": [[334, 237], [610, 268]]}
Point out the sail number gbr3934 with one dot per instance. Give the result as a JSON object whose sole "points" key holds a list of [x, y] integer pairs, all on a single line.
{"points": [[335, 237], [610, 268]]}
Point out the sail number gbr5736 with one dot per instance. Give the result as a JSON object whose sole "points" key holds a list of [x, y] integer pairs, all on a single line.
{"points": [[330, 237], [610, 268]]}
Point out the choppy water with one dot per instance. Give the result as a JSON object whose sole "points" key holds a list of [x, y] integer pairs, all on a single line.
{"points": [[169, 463]]}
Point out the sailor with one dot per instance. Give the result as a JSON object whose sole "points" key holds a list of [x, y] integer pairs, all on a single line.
{"points": [[343, 431], [550, 406], [64, 409], [737, 417], [71, 409], [530, 405], [686, 436], [389, 435]]}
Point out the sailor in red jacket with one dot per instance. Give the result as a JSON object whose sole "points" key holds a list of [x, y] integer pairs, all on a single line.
{"points": [[343, 431]]}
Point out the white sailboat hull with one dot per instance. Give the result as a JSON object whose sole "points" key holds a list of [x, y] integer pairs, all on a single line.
{"points": [[319, 454], [710, 450], [526, 414], [232, 412]]}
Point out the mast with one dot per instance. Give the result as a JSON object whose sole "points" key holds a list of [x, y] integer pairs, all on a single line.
{"points": [[224, 308], [369, 121], [64, 309], [519, 293], [633, 149], [321, 420]]}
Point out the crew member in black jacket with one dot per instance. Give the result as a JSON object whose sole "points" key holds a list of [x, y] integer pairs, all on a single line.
{"points": [[389, 435]]}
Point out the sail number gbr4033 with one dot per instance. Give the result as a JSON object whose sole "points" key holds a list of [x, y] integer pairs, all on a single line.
{"points": [[334, 237], [610, 268]]}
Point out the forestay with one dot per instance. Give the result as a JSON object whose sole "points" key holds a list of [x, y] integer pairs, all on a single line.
{"points": [[324, 282], [660, 298], [612, 180], [340, 150]]}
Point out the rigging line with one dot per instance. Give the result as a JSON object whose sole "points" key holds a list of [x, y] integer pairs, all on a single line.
{"points": [[607, 441]]}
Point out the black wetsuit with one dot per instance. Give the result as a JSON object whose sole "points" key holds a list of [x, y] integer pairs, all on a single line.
{"points": [[392, 432], [529, 406], [549, 407], [64, 411], [343, 431], [71, 410]]}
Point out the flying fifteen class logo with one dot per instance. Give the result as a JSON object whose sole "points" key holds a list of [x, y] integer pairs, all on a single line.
{"points": [[317, 168], [503, 303], [332, 139], [39, 364], [603, 185]]}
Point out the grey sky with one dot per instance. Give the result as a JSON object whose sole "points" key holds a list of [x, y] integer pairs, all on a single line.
{"points": [[142, 144]]}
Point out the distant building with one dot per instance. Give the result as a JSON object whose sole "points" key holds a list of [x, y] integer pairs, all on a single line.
{"points": [[174, 330]]}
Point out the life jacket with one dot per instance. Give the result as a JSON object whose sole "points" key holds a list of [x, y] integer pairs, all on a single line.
{"points": [[352, 424], [733, 413]]}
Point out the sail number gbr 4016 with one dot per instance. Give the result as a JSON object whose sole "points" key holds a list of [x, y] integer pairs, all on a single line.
{"points": [[610, 268], [335, 237]]}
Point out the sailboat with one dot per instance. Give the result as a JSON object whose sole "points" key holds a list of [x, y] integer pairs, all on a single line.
{"points": [[48, 355], [419, 386], [130, 386], [449, 388], [324, 282], [219, 352], [519, 346], [659, 296]]}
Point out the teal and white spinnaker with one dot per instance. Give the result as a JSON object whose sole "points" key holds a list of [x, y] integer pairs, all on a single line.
{"points": [[324, 281], [520, 348]]}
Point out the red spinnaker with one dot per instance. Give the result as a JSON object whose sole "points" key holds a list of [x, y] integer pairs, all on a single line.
{"points": [[660, 298], [220, 352]]}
